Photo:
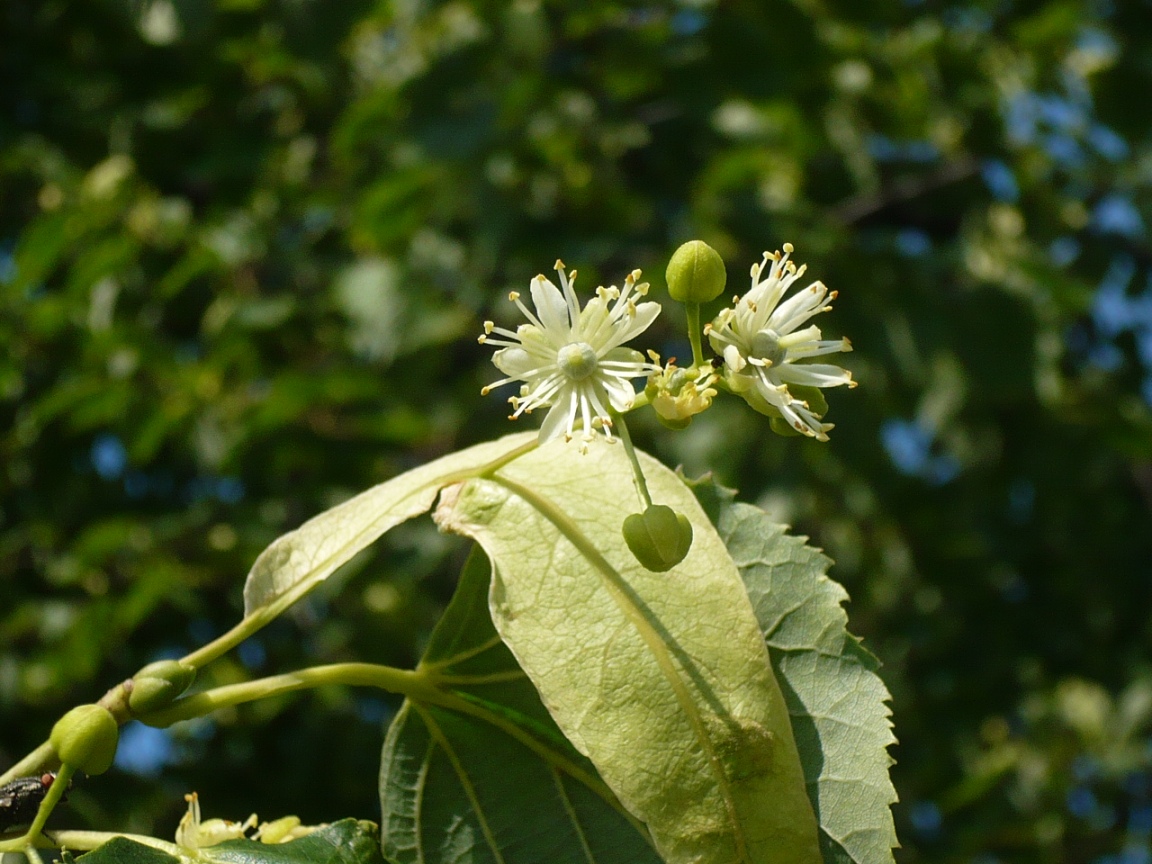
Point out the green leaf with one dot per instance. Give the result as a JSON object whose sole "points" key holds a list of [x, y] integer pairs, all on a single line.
{"points": [[121, 850], [345, 842], [491, 778], [838, 704], [661, 679], [298, 561]]}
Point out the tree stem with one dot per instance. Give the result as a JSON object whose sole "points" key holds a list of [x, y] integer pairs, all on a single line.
{"points": [[402, 681]]}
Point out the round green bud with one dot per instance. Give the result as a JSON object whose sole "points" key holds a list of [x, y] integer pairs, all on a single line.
{"points": [[85, 738], [696, 273], [159, 684], [659, 537]]}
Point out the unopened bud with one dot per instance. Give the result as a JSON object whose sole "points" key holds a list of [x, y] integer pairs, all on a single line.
{"points": [[86, 738], [159, 684], [696, 273], [677, 395], [659, 537]]}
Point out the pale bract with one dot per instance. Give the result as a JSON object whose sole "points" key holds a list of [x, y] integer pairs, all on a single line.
{"points": [[572, 360], [764, 343]]}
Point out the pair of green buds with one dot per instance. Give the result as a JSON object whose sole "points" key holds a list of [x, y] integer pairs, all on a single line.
{"points": [[86, 737], [660, 537]]}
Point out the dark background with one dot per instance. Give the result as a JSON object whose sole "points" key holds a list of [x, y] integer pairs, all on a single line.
{"points": [[246, 246]]}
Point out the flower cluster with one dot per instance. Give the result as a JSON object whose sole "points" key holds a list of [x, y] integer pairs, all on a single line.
{"points": [[759, 339], [573, 359]]}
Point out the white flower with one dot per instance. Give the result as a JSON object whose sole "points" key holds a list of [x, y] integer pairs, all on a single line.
{"points": [[572, 359], [193, 833], [761, 344]]}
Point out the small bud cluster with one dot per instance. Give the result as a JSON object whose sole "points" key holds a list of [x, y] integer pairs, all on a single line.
{"points": [[677, 394], [195, 833]]}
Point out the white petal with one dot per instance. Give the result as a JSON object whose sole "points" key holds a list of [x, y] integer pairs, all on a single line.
{"points": [[517, 363], [645, 314], [620, 393], [734, 358], [595, 324], [798, 308], [813, 349], [799, 337], [625, 355], [560, 416], [552, 309], [813, 374]]}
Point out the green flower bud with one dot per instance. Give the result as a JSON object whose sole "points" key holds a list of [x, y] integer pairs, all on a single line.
{"points": [[677, 395], [159, 684], [659, 537], [85, 738], [696, 273]]}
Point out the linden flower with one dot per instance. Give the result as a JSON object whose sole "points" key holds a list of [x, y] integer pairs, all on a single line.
{"points": [[194, 833], [761, 344], [571, 358]]}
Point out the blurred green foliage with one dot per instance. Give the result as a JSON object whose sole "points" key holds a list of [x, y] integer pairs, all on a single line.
{"points": [[245, 247]]}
